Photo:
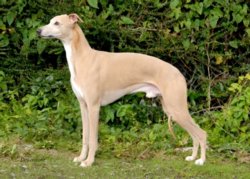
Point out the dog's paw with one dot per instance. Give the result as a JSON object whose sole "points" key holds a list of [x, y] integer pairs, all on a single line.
{"points": [[85, 164], [199, 162], [76, 159], [189, 158]]}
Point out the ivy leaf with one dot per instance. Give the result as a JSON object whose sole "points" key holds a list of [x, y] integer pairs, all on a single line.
{"points": [[186, 44], [174, 4], [126, 20], [109, 114], [234, 43], [248, 32], [213, 21], [93, 3], [199, 7], [10, 17], [41, 45], [123, 110], [207, 3], [4, 41], [238, 18], [246, 22]]}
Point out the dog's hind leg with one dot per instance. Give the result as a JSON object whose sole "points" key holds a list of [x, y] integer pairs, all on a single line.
{"points": [[198, 135], [174, 101]]}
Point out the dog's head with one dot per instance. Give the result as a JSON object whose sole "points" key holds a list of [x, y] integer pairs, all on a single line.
{"points": [[59, 27]]}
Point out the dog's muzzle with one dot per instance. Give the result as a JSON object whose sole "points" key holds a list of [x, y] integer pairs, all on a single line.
{"points": [[39, 32]]}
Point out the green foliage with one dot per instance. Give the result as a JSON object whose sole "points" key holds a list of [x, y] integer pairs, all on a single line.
{"points": [[207, 40], [231, 126], [39, 111]]}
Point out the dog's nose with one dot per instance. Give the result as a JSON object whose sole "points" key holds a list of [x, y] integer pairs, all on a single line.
{"points": [[39, 31]]}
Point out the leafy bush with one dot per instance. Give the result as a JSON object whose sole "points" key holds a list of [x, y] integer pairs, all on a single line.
{"points": [[207, 40], [231, 126]]}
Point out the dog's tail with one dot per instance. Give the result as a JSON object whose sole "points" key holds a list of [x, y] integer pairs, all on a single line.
{"points": [[170, 126]]}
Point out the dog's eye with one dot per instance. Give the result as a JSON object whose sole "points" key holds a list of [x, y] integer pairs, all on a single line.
{"points": [[56, 23]]}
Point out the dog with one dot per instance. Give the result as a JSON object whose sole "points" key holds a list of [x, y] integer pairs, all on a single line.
{"points": [[99, 78]]}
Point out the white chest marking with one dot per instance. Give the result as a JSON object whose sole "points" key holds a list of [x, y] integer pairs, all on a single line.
{"points": [[77, 90]]}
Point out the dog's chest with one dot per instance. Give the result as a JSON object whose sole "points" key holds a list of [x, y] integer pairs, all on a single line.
{"points": [[76, 88]]}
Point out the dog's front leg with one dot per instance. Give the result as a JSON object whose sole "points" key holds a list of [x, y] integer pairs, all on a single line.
{"points": [[85, 132], [93, 116]]}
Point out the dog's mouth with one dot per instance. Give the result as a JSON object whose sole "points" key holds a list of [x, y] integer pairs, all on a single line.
{"points": [[39, 32], [47, 37]]}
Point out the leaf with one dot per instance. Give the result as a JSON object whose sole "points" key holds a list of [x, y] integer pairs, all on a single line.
{"points": [[234, 43], [248, 32], [213, 21], [2, 25], [32, 34], [217, 12], [126, 20], [176, 28], [238, 17], [188, 23], [244, 9], [219, 59], [199, 7], [207, 3], [10, 17], [246, 22], [186, 44], [93, 3], [4, 41], [123, 110], [176, 13], [109, 114], [174, 4], [41, 45]]}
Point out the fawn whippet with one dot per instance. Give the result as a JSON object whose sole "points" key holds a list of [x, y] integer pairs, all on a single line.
{"points": [[99, 78]]}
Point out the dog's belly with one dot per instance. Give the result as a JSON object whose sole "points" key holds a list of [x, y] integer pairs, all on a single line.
{"points": [[110, 96]]}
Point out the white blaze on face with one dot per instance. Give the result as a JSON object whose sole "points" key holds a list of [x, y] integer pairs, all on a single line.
{"points": [[77, 90]]}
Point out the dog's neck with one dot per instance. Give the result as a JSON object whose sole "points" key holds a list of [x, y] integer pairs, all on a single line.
{"points": [[76, 43], [76, 47]]}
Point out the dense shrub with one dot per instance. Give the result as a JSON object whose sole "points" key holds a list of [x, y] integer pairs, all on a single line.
{"points": [[208, 40]]}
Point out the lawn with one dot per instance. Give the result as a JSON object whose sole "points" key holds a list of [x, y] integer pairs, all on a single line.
{"points": [[44, 164]]}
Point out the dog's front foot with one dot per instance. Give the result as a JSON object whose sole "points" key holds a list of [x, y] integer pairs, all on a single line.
{"points": [[86, 163], [76, 160], [79, 159], [189, 158], [199, 162], [83, 154]]}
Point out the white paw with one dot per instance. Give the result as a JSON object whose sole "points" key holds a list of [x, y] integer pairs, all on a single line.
{"points": [[189, 158], [199, 162], [83, 164], [86, 163], [76, 160]]}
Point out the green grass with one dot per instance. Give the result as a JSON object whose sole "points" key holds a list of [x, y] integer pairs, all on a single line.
{"points": [[44, 164]]}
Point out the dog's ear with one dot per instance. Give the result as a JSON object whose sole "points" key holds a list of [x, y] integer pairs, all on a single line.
{"points": [[75, 18]]}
